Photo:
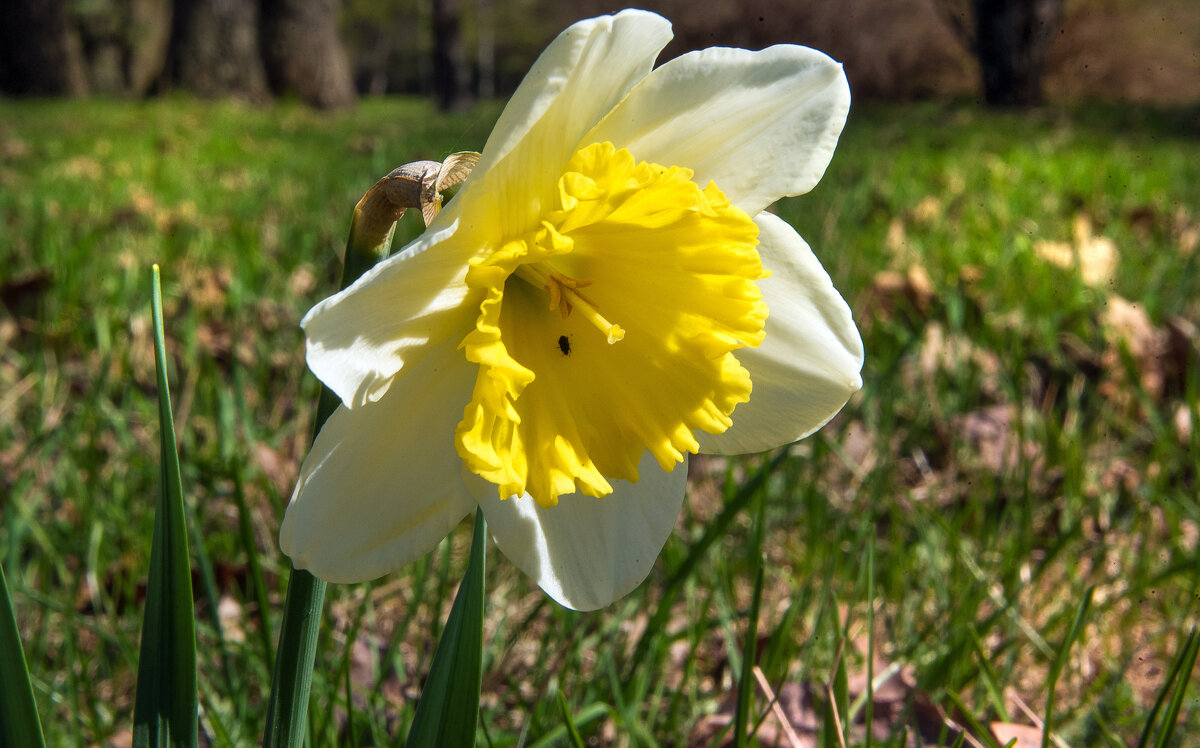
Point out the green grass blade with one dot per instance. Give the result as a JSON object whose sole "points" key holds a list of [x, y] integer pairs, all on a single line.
{"points": [[165, 709], [974, 726], [19, 722], [1161, 699], [745, 695], [1180, 677], [448, 711], [1060, 661], [837, 708], [555, 736], [572, 733], [834, 701], [987, 676], [870, 690]]}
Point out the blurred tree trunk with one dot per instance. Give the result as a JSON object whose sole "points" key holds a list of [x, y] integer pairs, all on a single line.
{"points": [[451, 79], [149, 35], [303, 53], [485, 21], [40, 52], [124, 43], [244, 48], [1009, 38], [214, 49]]}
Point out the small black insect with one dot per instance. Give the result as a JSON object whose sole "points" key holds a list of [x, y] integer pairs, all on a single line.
{"points": [[564, 345]]}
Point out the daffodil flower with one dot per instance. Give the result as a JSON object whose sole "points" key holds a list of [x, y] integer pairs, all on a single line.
{"points": [[604, 296]]}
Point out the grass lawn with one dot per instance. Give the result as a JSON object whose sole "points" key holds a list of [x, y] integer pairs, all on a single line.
{"points": [[1026, 441]]}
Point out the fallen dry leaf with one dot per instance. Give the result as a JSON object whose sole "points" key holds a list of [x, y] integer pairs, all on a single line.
{"points": [[920, 288], [1127, 327], [302, 281], [233, 618], [1183, 423], [795, 717], [1026, 736], [12, 149], [892, 292], [928, 210], [896, 238], [1095, 257], [993, 433], [1187, 231]]}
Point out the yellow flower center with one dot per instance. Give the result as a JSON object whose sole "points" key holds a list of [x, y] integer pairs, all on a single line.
{"points": [[566, 399]]}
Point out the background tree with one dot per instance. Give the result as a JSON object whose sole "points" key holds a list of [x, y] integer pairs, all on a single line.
{"points": [[40, 50], [303, 53], [124, 43], [451, 78], [1006, 51], [247, 48], [214, 49], [1009, 39]]}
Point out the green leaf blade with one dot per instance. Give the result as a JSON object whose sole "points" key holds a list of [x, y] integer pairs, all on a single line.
{"points": [[448, 711], [19, 722], [166, 708], [569, 722]]}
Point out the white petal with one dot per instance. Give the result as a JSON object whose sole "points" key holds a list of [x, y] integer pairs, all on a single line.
{"points": [[809, 364], [360, 338], [584, 72], [761, 125], [587, 552], [382, 484]]}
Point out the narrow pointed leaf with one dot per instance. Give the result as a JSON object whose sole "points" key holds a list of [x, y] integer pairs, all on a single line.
{"points": [[448, 711], [745, 697], [572, 732], [836, 707], [870, 690], [165, 709], [1179, 678], [1060, 661], [19, 722]]}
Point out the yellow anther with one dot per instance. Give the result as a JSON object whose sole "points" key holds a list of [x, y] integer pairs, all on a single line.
{"points": [[566, 298]]}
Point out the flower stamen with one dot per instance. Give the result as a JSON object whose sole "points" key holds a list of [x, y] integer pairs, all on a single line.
{"points": [[565, 296]]}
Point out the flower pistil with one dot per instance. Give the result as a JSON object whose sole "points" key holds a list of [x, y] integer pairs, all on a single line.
{"points": [[565, 296]]}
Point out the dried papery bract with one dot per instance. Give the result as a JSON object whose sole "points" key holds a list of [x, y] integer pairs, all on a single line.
{"points": [[418, 184]]}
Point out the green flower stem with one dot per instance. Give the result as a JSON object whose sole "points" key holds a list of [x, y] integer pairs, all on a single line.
{"points": [[370, 241]]}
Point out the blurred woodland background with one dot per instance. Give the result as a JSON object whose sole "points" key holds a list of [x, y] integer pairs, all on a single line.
{"points": [[329, 52]]}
